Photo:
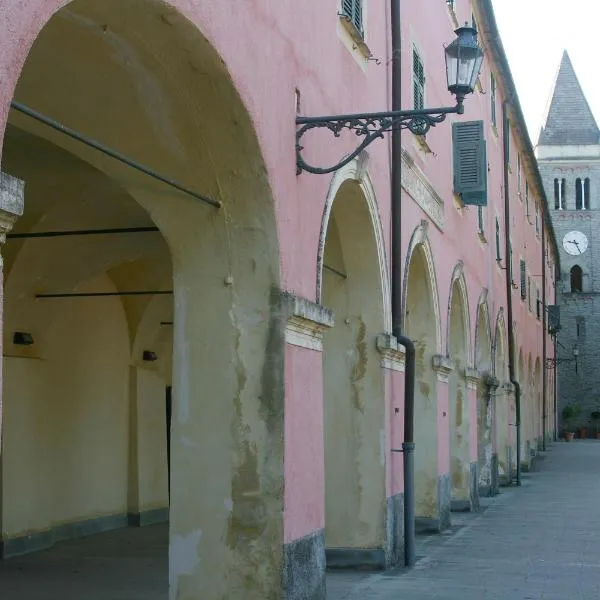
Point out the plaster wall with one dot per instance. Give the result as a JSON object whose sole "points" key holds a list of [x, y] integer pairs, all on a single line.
{"points": [[65, 447]]}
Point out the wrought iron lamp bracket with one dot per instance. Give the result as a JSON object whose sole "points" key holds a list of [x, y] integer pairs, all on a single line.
{"points": [[369, 127], [552, 363]]}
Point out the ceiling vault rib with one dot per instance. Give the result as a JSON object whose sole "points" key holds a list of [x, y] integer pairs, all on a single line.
{"points": [[109, 152], [105, 294], [77, 232]]}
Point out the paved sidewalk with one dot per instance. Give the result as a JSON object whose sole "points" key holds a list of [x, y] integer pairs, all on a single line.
{"points": [[540, 541]]}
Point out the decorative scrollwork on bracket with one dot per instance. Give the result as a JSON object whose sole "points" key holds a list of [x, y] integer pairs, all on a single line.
{"points": [[369, 127]]}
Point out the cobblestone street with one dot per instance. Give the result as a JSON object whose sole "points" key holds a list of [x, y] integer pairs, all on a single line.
{"points": [[533, 543]]}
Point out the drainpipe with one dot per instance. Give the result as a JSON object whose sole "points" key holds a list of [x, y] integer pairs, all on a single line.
{"points": [[544, 329], [509, 304], [408, 446]]}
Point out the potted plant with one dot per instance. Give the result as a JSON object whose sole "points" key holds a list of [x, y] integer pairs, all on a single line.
{"points": [[595, 415], [569, 414]]}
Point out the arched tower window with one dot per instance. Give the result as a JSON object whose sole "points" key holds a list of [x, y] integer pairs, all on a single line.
{"points": [[578, 194], [576, 279], [586, 194]]}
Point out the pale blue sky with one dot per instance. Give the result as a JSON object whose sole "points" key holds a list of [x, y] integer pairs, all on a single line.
{"points": [[534, 34]]}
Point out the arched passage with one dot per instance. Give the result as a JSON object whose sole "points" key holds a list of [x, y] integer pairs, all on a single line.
{"points": [[140, 78], [354, 390], [458, 398], [522, 379], [422, 323], [483, 364], [539, 404], [503, 401], [530, 409]]}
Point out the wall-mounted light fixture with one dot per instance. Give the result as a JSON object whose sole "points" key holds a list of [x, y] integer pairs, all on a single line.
{"points": [[22, 338], [149, 356], [464, 58]]}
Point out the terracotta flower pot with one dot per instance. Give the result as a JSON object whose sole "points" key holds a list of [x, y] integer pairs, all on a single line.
{"points": [[569, 435], [598, 435], [583, 433]]}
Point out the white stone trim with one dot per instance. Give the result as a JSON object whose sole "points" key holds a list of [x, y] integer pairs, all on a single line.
{"points": [[306, 322], [419, 239], [356, 170], [393, 355], [419, 188], [443, 367], [12, 200], [472, 377]]}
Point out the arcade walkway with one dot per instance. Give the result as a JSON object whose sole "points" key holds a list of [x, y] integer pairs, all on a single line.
{"points": [[539, 542]]}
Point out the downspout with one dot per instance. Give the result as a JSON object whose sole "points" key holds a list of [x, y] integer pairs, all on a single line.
{"points": [[544, 341], [408, 446], [509, 304]]}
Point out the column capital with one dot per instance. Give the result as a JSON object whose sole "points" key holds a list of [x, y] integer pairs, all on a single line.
{"points": [[306, 321], [443, 366], [12, 195], [472, 376], [392, 353]]}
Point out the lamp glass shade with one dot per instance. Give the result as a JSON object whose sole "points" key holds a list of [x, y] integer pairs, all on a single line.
{"points": [[464, 59]]}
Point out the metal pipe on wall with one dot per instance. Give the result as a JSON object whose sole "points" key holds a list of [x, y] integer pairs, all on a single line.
{"points": [[509, 304], [408, 445]]}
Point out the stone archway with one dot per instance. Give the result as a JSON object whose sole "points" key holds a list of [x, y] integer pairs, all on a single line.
{"points": [[530, 406], [539, 404], [140, 78], [459, 352], [503, 402], [422, 325], [353, 285], [485, 389], [522, 379]]}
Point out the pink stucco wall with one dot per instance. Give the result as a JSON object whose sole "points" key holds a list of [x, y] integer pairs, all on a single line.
{"points": [[270, 51]]}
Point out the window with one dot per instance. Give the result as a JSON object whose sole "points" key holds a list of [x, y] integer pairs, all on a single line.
{"points": [[586, 194], [537, 219], [450, 4], [519, 173], [559, 194], [527, 199], [538, 305], [529, 293], [580, 321], [493, 101], [480, 223], [576, 279], [510, 262], [582, 194], [418, 81], [523, 280], [498, 253], [353, 11], [469, 162]]}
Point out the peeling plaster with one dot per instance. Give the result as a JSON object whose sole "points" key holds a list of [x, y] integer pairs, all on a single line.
{"points": [[183, 555]]}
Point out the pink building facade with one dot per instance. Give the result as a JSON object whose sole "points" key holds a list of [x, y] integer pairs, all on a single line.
{"points": [[267, 309]]}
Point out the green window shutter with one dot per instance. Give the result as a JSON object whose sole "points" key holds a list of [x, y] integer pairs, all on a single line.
{"points": [[523, 280], [498, 253], [470, 162], [418, 81], [353, 10]]}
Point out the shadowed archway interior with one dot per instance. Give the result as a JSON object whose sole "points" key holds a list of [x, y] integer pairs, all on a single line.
{"points": [[140, 78], [354, 391]]}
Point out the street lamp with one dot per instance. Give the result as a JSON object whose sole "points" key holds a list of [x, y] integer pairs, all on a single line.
{"points": [[464, 58], [551, 363]]}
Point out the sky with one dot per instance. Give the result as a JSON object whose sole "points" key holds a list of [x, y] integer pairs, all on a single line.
{"points": [[534, 34]]}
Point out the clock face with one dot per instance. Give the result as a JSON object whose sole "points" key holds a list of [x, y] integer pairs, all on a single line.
{"points": [[575, 243]]}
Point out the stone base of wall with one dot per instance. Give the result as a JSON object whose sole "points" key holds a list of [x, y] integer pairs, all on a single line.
{"points": [[442, 522], [395, 530], [304, 568], [42, 540]]}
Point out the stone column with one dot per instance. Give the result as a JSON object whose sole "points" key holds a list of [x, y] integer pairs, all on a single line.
{"points": [[472, 376], [393, 359], [11, 208], [304, 518], [442, 365]]}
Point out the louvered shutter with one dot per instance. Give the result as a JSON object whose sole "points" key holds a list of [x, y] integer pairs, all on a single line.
{"points": [[470, 162], [354, 11], [523, 280]]}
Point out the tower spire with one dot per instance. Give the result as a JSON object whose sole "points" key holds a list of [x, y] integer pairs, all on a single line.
{"points": [[569, 120]]}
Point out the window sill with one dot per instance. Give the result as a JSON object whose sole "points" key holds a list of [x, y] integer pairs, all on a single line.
{"points": [[481, 236], [358, 39], [422, 144]]}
